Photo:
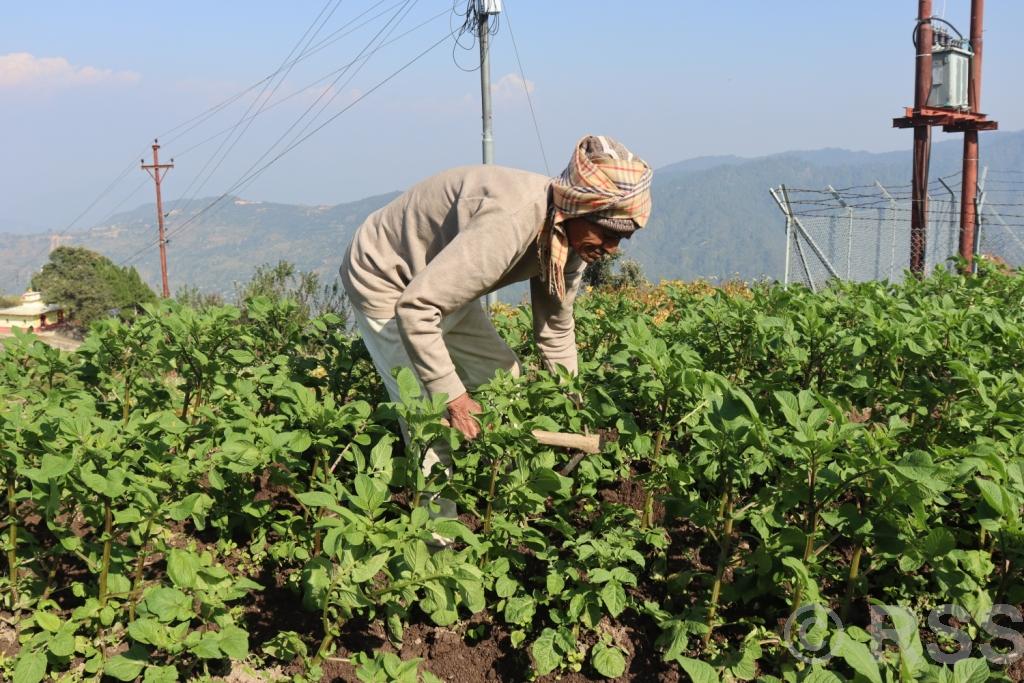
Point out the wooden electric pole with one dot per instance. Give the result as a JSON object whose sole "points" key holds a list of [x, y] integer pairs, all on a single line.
{"points": [[157, 171]]}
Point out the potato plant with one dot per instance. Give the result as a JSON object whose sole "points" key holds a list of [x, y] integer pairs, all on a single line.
{"points": [[196, 489]]}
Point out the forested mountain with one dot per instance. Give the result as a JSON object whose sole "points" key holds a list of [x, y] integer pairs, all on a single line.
{"points": [[713, 217]]}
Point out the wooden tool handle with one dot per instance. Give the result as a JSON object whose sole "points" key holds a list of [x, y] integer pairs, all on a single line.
{"points": [[588, 443]]}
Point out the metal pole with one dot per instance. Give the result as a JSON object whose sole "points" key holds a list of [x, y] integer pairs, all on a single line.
{"points": [[807, 236], [952, 201], [968, 206], [154, 171], [789, 233], [892, 210], [485, 101], [922, 138], [849, 231]]}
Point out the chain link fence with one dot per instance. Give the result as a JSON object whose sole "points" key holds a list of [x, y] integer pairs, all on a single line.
{"points": [[862, 232]]}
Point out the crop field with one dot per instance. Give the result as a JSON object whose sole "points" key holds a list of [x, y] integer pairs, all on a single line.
{"points": [[217, 494]]}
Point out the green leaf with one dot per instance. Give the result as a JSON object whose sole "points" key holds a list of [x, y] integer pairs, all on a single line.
{"points": [[62, 644], [857, 655], [993, 494], [613, 595], [168, 604], [408, 385], [183, 568], [317, 499], [699, 672], [971, 670], [520, 610], [47, 621], [31, 668], [124, 668], [53, 466], [208, 647], [608, 661], [545, 657], [821, 676], [364, 571], [241, 356], [506, 587], [555, 583], [234, 642], [160, 674]]}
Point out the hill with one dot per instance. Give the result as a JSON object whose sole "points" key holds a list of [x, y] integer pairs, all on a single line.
{"points": [[713, 218]]}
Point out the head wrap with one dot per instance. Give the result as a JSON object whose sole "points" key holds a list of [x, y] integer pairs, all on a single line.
{"points": [[604, 182]]}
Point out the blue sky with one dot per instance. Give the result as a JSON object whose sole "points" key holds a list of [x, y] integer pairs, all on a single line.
{"points": [[84, 87]]}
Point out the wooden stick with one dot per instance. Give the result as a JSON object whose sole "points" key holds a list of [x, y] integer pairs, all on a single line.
{"points": [[588, 443]]}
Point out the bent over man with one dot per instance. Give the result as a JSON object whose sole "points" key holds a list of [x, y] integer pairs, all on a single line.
{"points": [[416, 268]]}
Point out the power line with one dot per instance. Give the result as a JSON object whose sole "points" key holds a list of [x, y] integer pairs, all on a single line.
{"points": [[298, 142], [305, 88], [526, 89], [204, 116], [318, 25], [406, 7]]}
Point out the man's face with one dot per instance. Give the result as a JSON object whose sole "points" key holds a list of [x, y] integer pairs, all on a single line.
{"points": [[591, 241]]}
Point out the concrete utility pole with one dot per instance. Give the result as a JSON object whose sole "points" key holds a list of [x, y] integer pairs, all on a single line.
{"points": [[154, 170], [485, 8]]}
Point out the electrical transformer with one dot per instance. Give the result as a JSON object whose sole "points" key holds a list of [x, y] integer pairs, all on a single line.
{"points": [[488, 6], [951, 63]]}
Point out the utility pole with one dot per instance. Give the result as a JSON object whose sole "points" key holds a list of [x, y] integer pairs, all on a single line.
{"points": [[157, 171], [969, 191], [485, 8], [922, 138]]}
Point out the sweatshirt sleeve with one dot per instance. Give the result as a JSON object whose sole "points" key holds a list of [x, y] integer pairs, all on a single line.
{"points": [[554, 328], [464, 270]]}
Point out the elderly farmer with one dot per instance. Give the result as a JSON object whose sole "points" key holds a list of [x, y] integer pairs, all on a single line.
{"points": [[417, 267]]}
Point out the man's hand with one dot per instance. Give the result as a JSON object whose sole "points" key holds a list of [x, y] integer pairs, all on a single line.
{"points": [[460, 415]]}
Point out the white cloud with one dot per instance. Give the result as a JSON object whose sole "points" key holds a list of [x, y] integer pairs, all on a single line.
{"points": [[21, 69], [510, 87]]}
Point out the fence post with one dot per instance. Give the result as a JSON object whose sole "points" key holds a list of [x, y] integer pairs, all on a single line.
{"points": [[849, 227], [810, 240], [892, 211], [789, 233], [954, 215]]}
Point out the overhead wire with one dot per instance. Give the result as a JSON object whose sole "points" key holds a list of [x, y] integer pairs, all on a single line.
{"points": [[406, 7], [313, 84], [245, 122], [172, 134], [299, 141], [526, 89]]}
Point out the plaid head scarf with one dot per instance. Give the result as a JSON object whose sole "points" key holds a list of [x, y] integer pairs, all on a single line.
{"points": [[605, 182]]}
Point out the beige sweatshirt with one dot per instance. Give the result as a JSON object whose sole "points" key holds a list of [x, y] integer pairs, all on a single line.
{"points": [[446, 242]]}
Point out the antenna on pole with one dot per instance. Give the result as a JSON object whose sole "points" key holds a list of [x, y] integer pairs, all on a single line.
{"points": [[484, 10], [157, 171]]}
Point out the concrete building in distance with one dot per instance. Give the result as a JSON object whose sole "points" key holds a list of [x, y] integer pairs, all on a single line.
{"points": [[31, 315]]}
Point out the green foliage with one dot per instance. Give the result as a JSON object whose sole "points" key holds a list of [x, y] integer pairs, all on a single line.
{"points": [[767, 449], [282, 281], [90, 286], [601, 273]]}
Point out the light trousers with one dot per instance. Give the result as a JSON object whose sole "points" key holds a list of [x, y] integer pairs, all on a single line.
{"points": [[476, 350]]}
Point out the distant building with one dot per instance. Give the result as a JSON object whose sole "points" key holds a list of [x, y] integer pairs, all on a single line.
{"points": [[31, 315]]}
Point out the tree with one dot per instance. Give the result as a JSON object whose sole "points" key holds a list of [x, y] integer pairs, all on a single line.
{"points": [[90, 286], [285, 281], [601, 273]]}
